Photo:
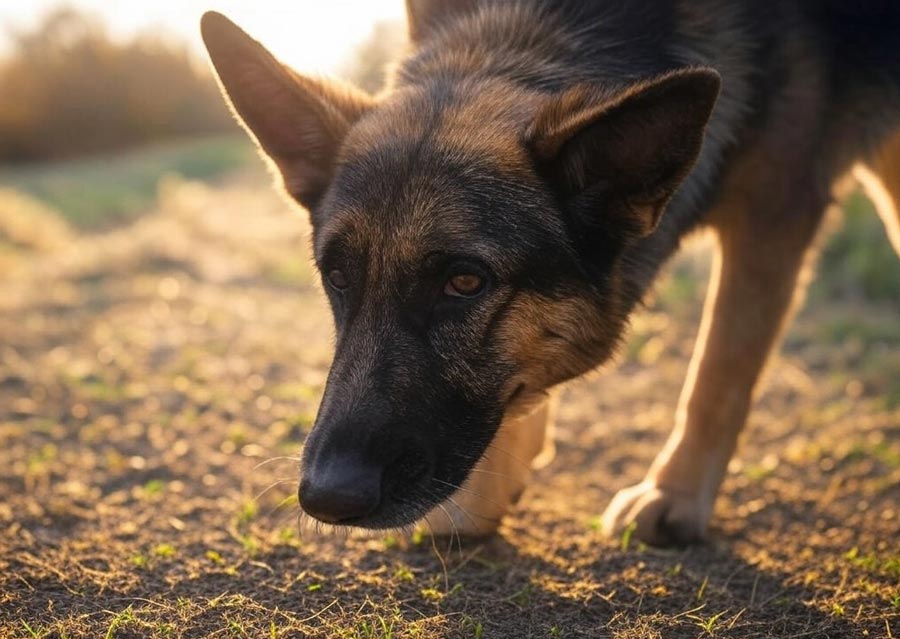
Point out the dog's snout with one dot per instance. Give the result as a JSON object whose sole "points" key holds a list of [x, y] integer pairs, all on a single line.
{"points": [[343, 490]]}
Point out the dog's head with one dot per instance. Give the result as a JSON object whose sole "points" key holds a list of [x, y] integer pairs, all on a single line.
{"points": [[469, 237]]}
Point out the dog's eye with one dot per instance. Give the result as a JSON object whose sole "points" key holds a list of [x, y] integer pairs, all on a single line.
{"points": [[464, 285], [337, 279]]}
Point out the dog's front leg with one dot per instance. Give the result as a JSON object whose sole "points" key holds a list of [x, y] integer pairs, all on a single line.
{"points": [[756, 270], [497, 481]]}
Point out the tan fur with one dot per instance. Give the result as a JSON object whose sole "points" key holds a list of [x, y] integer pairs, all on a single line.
{"points": [[549, 341]]}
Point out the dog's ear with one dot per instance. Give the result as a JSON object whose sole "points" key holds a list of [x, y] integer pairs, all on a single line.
{"points": [[299, 122], [625, 153], [425, 15]]}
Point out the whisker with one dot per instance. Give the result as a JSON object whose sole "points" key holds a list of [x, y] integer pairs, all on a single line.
{"points": [[277, 482], [285, 501], [471, 492], [453, 529], [439, 556], [492, 472], [510, 455], [464, 512], [275, 459]]}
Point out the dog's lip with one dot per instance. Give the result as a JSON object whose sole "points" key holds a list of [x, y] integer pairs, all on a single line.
{"points": [[517, 391]]}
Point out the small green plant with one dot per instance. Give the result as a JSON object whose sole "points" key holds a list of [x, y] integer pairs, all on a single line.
{"points": [[154, 487], [702, 590], [708, 624], [431, 594], [403, 574], [138, 560], [164, 550], [247, 512], [471, 625], [119, 619], [236, 628], [36, 634], [626, 536]]}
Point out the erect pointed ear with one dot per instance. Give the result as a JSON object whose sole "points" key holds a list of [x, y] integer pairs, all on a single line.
{"points": [[299, 122], [425, 15], [627, 153]]}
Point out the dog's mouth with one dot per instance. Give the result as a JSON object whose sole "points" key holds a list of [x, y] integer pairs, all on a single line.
{"points": [[405, 491]]}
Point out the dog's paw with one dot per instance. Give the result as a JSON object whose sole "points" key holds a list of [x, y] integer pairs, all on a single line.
{"points": [[661, 516]]}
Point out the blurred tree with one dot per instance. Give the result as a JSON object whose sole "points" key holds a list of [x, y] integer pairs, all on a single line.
{"points": [[68, 89], [368, 66]]}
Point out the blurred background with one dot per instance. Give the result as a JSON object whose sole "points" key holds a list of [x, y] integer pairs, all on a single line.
{"points": [[99, 100]]}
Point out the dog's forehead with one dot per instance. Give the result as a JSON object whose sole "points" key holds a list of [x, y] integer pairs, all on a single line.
{"points": [[422, 175]]}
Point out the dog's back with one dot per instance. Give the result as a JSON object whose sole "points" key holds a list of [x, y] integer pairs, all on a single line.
{"points": [[836, 62]]}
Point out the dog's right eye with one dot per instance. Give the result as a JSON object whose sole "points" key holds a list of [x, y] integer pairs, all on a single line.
{"points": [[337, 279], [464, 285]]}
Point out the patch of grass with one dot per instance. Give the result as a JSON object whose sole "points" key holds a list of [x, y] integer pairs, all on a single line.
{"points": [[247, 513], [404, 574], [97, 191], [139, 560], [164, 550], [379, 627], [709, 625], [888, 565], [120, 619], [858, 260], [32, 632], [471, 627], [41, 458], [390, 541], [431, 594], [154, 486]]}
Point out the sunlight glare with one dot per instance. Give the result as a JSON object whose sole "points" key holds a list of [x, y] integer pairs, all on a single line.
{"points": [[310, 35]]}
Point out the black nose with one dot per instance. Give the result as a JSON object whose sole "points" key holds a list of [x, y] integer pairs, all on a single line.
{"points": [[341, 490]]}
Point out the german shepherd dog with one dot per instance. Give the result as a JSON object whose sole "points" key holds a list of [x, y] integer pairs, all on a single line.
{"points": [[486, 225]]}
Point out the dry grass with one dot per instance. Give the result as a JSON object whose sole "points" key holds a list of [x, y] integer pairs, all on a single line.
{"points": [[156, 382]]}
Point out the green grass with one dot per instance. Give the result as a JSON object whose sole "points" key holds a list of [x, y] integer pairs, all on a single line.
{"points": [[98, 191], [858, 262]]}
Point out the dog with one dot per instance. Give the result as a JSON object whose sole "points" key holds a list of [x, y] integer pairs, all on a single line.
{"points": [[486, 225]]}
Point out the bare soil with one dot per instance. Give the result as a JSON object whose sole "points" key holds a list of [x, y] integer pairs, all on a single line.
{"points": [[156, 382]]}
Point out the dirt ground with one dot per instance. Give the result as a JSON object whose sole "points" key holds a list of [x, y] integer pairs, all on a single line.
{"points": [[156, 382]]}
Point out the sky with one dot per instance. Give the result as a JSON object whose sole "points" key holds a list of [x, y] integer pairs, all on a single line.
{"points": [[310, 35]]}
